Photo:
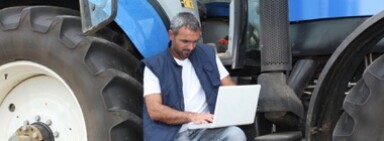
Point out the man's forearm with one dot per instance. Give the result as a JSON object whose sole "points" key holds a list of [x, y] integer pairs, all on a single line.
{"points": [[163, 113], [170, 116]]}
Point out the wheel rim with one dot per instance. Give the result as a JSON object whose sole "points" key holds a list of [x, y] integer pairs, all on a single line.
{"points": [[33, 93]]}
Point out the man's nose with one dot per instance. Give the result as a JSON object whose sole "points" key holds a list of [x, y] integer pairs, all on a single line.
{"points": [[191, 46]]}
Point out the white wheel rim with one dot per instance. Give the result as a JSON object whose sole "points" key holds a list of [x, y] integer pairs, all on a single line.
{"points": [[31, 92]]}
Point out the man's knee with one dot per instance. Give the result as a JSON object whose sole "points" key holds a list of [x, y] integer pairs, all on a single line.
{"points": [[235, 134]]}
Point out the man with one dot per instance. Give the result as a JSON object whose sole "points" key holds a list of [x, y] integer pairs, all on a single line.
{"points": [[181, 85]]}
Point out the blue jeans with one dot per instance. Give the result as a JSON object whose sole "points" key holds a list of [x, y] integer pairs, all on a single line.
{"points": [[219, 134]]}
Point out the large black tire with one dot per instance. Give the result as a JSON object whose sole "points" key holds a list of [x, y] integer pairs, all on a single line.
{"points": [[102, 75], [363, 118], [342, 67]]}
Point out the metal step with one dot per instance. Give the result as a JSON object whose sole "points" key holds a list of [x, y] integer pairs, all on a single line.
{"points": [[281, 136]]}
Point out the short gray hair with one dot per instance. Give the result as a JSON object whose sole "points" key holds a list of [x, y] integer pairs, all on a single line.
{"points": [[185, 19]]}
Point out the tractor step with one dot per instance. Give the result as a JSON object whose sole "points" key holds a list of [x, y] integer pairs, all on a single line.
{"points": [[281, 136]]}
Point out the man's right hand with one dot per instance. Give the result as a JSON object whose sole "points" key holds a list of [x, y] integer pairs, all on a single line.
{"points": [[200, 118], [159, 112]]}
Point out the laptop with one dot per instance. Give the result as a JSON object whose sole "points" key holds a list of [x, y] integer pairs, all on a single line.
{"points": [[235, 105]]}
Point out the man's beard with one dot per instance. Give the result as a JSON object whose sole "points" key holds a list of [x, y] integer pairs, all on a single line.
{"points": [[185, 53]]}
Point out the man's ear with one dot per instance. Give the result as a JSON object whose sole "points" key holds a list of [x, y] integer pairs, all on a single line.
{"points": [[171, 34]]}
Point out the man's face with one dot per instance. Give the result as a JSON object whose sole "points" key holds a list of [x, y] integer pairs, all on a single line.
{"points": [[184, 42]]}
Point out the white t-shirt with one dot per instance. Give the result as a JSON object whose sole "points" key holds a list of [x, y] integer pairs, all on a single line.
{"points": [[194, 95]]}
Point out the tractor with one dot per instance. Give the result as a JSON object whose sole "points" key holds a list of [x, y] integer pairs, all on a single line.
{"points": [[69, 70]]}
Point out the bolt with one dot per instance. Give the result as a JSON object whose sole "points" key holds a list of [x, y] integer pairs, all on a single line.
{"points": [[56, 134], [48, 122], [26, 122], [35, 135], [25, 128], [93, 7], [37, 118]]}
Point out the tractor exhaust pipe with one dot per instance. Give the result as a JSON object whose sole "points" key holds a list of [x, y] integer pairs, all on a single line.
{"points": [[279, 102], [274, 39]]}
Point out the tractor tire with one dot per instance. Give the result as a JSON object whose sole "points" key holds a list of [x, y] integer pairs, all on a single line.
{"points": [[326, 119], [363, 118], [77, 87]]}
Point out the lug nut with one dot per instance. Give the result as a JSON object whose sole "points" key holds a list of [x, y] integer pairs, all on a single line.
{"points": [[56, 134], [25, 128], [48, 122], [37, 118], [26, 122]]}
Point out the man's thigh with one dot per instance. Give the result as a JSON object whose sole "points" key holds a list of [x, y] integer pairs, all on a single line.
{"points": [[219, 134]]}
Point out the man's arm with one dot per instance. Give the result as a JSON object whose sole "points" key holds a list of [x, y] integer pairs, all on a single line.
{"points": [[159, 112], [227, 81]]}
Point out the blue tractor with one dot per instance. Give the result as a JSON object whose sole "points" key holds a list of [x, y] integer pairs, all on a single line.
{"points": [[69, 69]]}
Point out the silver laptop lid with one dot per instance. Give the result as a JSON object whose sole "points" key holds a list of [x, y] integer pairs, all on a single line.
{"points": [[236, 105]]}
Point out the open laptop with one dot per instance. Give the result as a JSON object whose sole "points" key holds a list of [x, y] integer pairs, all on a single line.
{"points": [[235, 105]]}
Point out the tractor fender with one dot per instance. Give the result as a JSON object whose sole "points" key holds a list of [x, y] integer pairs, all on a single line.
{"points": [[143, 25]]}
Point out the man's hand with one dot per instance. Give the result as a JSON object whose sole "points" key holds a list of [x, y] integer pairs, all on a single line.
{"points": [[200, 118], [159, 112]]}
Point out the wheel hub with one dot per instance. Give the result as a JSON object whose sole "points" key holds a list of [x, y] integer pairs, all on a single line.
{"points": [[36, 104], [37, 131]]}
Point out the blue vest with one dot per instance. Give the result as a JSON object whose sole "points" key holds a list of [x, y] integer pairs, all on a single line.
{"points": [[164, 66]]}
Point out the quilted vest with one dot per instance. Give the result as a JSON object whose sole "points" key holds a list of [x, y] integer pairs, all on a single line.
{"points": [[164, 66]]}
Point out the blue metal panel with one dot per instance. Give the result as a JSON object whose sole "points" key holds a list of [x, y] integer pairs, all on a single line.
{"points": [[143, 26], [319, 9]]}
